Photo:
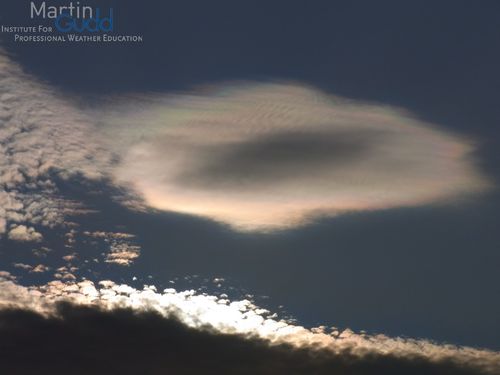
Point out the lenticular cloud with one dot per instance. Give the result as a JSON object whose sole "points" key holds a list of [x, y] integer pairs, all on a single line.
{"points": [[270, 156], [256, 156]]}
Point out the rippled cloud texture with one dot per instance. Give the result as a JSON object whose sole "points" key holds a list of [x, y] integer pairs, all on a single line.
{"points": [[270, 156], [41, 135], [254, 156]]}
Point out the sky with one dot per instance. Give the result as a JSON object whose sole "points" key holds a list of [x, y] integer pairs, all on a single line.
{"points": [[307, 175]]}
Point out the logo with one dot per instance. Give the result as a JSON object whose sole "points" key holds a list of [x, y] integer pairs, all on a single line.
{"points": [[69, 23], [66, 23], [74, 17]]}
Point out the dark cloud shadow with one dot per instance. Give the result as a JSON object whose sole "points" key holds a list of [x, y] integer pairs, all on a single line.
{"points": [[85, 340], [276, 157]]}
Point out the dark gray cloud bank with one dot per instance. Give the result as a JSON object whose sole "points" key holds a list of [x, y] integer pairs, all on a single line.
{"points": [[90, 340], [87, 328]]}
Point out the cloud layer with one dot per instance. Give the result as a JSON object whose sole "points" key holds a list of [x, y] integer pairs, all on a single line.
{"points": [[267, 156], [123, 341], [127, 320]]}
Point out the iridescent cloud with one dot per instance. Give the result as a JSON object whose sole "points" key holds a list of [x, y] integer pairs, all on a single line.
{"points": [[271, 156], [257, 156]]}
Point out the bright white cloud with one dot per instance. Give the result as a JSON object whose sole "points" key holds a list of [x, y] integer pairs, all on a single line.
{"points": [[234, 317]]}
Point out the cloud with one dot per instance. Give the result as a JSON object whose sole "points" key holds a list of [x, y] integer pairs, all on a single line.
{"points": [[69, 258], [42, 137], [41, 252], [92, 340], [23, 266], [257, 156], [121, 250], [109, 235], [123, 253], [24, 234], [3, 225], [212, 331], [5, 275], [270, 156], [40, 268]]}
